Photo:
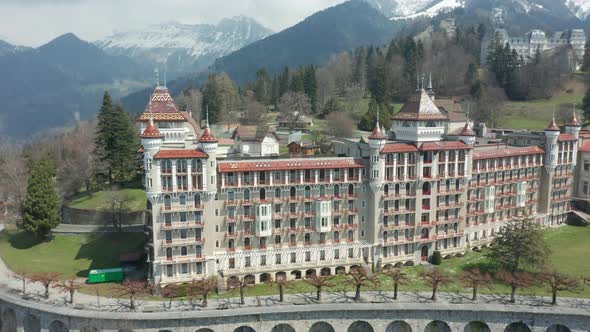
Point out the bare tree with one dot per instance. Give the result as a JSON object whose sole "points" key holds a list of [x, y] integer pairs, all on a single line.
{"points": [[360, 277], [475, 279], [77, 164], [558, 282], [191, 100], [204, 287], [46, 279], [170, 292], [340, 124], [22, 276], [13, 173], [133, 289], [292, 107], [399, 278], [282, 284], [319, 282], [70, 286], [434, 278], [119, 202], [515, 280], [253, 112], [240, 284]]}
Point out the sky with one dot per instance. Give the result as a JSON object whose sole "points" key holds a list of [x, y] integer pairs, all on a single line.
{"points": [[35, 22]]}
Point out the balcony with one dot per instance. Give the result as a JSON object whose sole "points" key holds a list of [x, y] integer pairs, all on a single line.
{"points": [[179, 241], [181, 208], [182, 225]]}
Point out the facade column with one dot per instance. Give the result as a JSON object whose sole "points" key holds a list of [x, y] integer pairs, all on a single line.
{"points": [[174, 183], [189, 176]]}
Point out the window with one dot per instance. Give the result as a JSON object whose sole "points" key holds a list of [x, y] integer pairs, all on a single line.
{"points": [[183, 251], [232, 263], [278, 259], [183, 217], [336, 253], [246, 194], [278, 192], [322, 255], [263, 260], [308, 256], [585, 188], [169, 270], [277, 239], [184, 268], [182, 199], [183, 234], [293, 257], [247, 261], [350, 252]]}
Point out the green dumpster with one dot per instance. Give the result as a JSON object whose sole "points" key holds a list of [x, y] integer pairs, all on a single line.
{"points": [[106, 275]]}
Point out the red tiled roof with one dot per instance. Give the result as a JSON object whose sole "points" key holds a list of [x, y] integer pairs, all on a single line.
{"points": [[467, 131], [288, 164], [169, 117], [226, 141], [161, 101], [207, 136], [141, 150], [584, 133], [573, 122], [553, 126], [377, 133], [399, 147], [567, 137], [444, 145], [504, 151], [151, 131], [585, 147], [173, 154]]}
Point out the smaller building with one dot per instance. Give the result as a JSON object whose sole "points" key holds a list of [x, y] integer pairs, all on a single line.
{"points": [[295, 122], [255, 141], [303, 148]]}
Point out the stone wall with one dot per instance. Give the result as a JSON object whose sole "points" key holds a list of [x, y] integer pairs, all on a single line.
{"points": [[19, 315], [93, 217]]}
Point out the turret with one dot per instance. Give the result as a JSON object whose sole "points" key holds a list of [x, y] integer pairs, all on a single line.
{"points": [[467, 135], [573, 126], [209, 146], [151, 140], [208, 140], [377, 140], [429, 89], [551, 147]]}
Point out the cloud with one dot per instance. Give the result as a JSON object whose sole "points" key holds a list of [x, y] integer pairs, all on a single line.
{"points": [[34, 22]]}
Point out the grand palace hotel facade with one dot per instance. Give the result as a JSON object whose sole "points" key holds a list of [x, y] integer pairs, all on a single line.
{"points": [[389, 200]]}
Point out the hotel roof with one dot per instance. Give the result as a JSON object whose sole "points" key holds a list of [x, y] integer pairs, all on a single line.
{"points": [[174, 154], [498, 151], [288, 164]]}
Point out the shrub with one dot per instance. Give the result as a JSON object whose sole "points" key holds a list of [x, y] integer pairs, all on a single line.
{"points": [[436, 258]]}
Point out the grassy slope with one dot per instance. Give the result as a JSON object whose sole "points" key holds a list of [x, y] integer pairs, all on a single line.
{"points": [[536, 114], [100, 200], [71, 255]]}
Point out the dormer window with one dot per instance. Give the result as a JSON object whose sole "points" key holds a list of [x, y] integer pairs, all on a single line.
{"points": [[430, 124]]}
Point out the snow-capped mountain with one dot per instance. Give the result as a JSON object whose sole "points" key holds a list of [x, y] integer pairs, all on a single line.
{"points": [[407, 9], [581, 8], [185, 47]]}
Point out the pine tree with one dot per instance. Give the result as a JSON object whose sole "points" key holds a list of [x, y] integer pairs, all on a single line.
{"points": [[586, 60], [212, 100], [297, 81], [368, 120], [586, 105], [116, 142], [41, 205], [310, 87], [284, 82], [262, 86]]}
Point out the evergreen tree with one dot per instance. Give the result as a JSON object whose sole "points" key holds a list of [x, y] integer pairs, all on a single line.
{"points": [[368, 120], [377, 85], [274, 90], [116, 142], [284, 82], [262, 89], [212, 100], [297, 81], [586, 104], [41, 204], [586, 60], [360, 68], [310, 87]]}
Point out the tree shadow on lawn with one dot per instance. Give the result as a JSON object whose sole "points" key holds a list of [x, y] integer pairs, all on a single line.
{"points": [[22, 239], [103, 250]]}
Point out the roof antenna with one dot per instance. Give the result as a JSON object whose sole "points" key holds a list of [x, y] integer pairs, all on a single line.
{"points": [[430, 81], [207, 119], [423, 77], [378, 111], [157, 77], [417, 81], [151, 112]]}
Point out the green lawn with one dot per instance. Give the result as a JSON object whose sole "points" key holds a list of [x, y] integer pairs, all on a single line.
{"points": [[100, 200], [70, 255], [536, 114]]}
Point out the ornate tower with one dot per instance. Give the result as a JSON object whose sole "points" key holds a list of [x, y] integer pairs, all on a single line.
{"points": [[376, 164], [550, 161], [208, 144], [467, 135], [151, 140]]}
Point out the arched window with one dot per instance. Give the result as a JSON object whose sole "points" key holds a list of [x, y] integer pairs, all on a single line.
{"points": [[307, 192], [395, 235], [397, 189], [262, 194], [426, 188], [247, 242], [199, 251], [292, 239], [385, 236], [430, 124], [407, 188], [167, 202], [169, 253], [198, 199], [457, 184], [386, 190], [277, 239], [351, 189], [336, 191], [350, 235], [307, 238], [424, 233], [246, 194], [230, 195], [292, 192], [231, 243], [336, 236], [182, 199], [322, 191], [183, 251], [277, 192]]}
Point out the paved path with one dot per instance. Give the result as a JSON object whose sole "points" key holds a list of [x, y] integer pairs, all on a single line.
{"points": [[35, 291], [82, 229]]}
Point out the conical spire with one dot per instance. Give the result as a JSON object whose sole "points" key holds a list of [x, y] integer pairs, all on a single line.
{"points": [[151, 131], [207, 136], [377, 133], [574, 122], [430, 81], [552, 125]]}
